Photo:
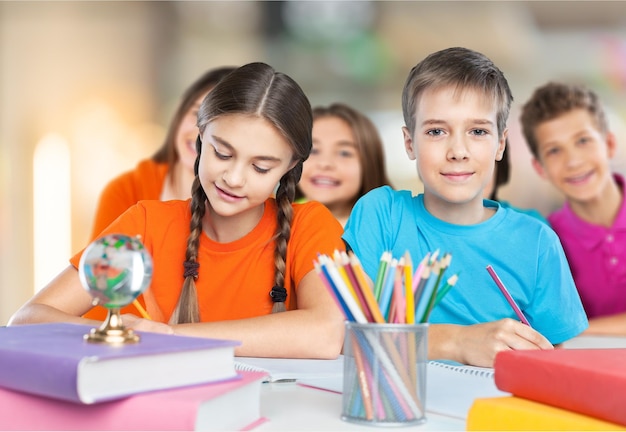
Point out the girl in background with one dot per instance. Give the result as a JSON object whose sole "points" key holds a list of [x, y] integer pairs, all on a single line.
{"points": [[232, 262], [168, 174], [347, 160]]}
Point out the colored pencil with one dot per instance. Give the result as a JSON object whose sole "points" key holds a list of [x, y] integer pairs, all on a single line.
{"points": [[142, 311], [385, 295], [408, 286], [444, 263], [447, 287], [507, 295], [380, 276], [366, 288]]}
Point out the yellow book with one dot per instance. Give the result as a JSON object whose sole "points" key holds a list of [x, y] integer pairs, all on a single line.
{"points": [[515, 413]]}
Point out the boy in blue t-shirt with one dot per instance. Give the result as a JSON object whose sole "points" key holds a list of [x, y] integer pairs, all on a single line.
{"points": [[456, 104]]}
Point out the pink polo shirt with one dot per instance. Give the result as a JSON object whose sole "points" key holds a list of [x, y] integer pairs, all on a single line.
{"points": [[597, 257]]}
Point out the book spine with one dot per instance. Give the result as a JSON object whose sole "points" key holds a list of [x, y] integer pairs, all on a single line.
{"points": [[513, 413], [580, 388], [40, 375]]}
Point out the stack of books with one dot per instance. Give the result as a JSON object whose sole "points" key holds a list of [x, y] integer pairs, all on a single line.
{"points": [[561, 389], [52, 379]]}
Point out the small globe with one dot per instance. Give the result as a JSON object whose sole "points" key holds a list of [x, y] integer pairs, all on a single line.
{"points": [[115, 269]]}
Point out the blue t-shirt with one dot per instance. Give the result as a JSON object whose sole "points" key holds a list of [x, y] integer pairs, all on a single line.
{"points": [[525, 253]]}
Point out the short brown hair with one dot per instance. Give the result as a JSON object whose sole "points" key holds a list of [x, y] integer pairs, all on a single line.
{"points": [[554, 99], [462, 68]]}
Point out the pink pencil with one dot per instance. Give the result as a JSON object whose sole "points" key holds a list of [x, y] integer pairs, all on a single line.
{"points": [[507, 295]]}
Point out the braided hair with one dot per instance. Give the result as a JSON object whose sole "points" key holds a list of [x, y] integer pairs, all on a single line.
{"points": [[254, 89]]}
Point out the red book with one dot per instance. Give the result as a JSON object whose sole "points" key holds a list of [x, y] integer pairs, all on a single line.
{"points": [[586, 381], [229, 405]]}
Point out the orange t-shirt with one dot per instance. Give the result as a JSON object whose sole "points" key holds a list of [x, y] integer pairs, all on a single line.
{"points": [[145, 182], [234, 278]]}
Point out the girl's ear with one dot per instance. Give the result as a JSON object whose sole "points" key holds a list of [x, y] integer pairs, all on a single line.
{"points": [[408, 143]]}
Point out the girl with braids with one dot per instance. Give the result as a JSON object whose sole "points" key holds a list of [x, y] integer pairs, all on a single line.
{"points": [[232, 262], [166, 175]]}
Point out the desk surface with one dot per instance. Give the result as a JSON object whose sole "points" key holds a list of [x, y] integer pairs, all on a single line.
{"points": [[290, 406]]}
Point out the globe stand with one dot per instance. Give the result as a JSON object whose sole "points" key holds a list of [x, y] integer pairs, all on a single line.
{"points": [[112, 331]]}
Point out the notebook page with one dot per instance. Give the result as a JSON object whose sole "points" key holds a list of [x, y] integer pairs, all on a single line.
{"points": [[284, 369], [452, 388]]}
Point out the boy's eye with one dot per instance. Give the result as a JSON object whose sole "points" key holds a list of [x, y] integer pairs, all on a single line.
{"points": [[552, 151], [479, 132], [434, 132]]}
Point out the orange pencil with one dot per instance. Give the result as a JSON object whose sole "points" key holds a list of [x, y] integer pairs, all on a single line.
{"points": [[365, 285]]}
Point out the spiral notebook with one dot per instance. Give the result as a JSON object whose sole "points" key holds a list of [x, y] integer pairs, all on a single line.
{"points": [[451, 387]]}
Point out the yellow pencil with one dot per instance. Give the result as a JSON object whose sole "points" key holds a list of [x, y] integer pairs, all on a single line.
{"points": [[141, 310], [408, 289]]}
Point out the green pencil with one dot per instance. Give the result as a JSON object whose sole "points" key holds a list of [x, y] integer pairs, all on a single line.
{"points": [[380, 276]]}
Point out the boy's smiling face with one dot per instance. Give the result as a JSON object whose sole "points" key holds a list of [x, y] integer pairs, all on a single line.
{"points": [[456, 144], [574, 155]]}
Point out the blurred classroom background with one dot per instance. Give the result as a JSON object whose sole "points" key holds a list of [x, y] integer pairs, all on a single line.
{"points": [[87, 89]]}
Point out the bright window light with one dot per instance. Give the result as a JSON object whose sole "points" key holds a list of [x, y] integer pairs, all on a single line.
{"points": [[52, 208]]}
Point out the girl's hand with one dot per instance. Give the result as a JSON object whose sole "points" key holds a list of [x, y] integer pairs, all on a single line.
{"points": [[140, 324], [478, 344]]}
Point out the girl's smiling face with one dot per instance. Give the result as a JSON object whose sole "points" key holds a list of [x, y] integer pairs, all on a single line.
{"points": [[332, 173], [186, 136], [243, 159]]}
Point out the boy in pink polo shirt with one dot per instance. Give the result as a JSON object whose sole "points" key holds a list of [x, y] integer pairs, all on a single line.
{"points": [[567, 132]]}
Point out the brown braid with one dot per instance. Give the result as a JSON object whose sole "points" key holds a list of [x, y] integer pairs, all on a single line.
{"points": [[284, 198], [187, 309], [257, 89]]}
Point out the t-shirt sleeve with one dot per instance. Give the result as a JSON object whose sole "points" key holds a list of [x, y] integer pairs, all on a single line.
{"points": [[116, 197], [132, 222], [555, 286], [368, 231], [314, 231]]}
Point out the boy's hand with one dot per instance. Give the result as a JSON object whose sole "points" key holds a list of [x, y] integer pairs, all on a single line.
{"points": [[140, 324], [478, 344]]}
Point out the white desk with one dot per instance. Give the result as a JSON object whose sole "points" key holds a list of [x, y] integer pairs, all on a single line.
{"points": [[290, 406], [293, 407], [596, 342]]}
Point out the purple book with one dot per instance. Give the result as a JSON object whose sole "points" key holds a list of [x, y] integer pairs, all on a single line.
{"points": [[54, 360]]}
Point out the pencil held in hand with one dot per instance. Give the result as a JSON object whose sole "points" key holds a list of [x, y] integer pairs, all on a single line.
{"points": [[507, 295]]}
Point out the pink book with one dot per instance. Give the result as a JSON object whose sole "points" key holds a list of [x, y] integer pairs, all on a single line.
{"points": [[231, 405]]}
